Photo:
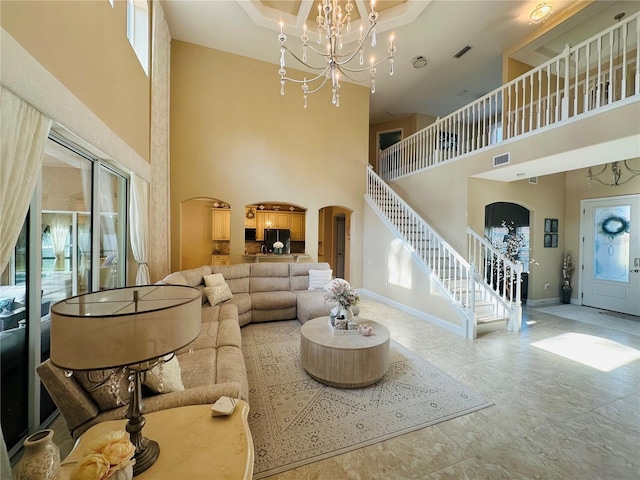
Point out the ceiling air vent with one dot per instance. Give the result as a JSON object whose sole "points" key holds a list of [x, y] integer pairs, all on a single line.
{"points": [[503, 159], [462, 51], [533, 180]]}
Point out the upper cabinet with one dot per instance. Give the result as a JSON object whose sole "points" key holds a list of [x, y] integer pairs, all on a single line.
{"points": [[220, 224], [296, 226], [294, 221], [250, 217]]}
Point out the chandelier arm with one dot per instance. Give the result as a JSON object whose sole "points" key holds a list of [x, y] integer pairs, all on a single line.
{"points": [[363, 69], [310, 92], [314, 79], [635, 172], [354, 79], [304, 63]]}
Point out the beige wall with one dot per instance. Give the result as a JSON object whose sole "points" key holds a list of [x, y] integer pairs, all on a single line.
{"points": [[195, 220], [233, 136], [84, 45], [390, 272]]}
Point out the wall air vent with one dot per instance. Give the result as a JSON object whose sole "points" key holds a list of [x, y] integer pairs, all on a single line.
{"points": [[500, 160], [533, 180]]}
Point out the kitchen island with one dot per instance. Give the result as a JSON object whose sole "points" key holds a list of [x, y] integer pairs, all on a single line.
{"points": [[275, 257]]}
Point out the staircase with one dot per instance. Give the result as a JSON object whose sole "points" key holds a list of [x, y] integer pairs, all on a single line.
{"points": [[484, 302]]}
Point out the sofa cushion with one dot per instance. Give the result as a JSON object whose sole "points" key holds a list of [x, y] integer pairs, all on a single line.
{"points": [[231, 368], [242, 301], [272, 300], [319, 278], [175, 278], [269, 277], [236, 276], [210, 313], [194, 276], [311, 304], [267, 306], [218, 293], [299, 274], [198, 367]]}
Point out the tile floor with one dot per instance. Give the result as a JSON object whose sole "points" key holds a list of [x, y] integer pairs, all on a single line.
{"points": [[553, 418]]}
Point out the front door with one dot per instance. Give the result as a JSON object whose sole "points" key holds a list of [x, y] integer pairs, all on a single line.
{"points": [[611, 253]]}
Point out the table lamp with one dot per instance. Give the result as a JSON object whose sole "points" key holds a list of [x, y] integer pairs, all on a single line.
{"points": [[131, 329]]}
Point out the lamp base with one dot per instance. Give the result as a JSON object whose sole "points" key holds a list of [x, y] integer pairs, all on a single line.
{"points": [[147, 457]]}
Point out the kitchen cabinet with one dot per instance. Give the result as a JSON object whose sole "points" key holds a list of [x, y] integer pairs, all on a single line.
{"points": [[220, 224], [249, 222], [296, 226], [271, 219], [219, 259]]}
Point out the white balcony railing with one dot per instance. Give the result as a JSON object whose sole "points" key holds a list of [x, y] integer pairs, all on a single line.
{"points": [[598, 72]]}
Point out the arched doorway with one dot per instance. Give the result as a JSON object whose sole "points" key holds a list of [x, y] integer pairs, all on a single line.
{"points": [[502, 219], [334, 239]]}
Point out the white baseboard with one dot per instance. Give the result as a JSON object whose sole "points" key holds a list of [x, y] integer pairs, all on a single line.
{"points": [[457, 329]]}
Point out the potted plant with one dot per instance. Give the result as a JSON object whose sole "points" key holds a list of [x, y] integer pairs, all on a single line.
{"points": [[567, 272]]}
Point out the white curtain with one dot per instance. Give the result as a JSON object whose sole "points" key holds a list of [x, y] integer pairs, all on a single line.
{"points": [[60, 225], [24, 131], [139, 226]]}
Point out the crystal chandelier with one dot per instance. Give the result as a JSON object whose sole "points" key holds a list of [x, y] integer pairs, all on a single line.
{"points": [[334, 21], [617, 171]]}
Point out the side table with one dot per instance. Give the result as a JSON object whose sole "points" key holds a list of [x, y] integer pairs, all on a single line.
{"points": [[193, 445]]}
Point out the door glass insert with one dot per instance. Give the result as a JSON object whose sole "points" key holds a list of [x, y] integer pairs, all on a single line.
{"points": [[611, 245]]}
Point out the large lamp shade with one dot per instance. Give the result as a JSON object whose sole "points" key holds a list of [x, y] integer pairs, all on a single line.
{"points": [[123, 326]]}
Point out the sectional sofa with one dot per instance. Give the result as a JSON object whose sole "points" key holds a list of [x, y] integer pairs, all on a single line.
{"points": [[213, 365]]}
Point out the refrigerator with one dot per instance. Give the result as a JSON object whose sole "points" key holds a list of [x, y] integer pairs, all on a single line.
{"points": [[273, 235]]}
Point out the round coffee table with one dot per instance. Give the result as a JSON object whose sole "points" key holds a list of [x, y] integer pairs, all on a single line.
{"points": [[346, 361]]}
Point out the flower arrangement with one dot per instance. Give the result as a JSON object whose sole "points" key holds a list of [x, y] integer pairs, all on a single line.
{"points": [[567, 270], [278, 245], [339, 290], [109, 457]]}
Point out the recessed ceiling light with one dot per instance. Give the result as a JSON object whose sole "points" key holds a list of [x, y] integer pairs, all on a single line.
{"points": [[419, 62]]}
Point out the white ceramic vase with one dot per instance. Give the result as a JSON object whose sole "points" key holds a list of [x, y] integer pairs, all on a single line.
{"points": [[41, 458], [346, 312]]}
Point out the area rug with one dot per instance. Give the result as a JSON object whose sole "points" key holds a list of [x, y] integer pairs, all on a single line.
{"points": [[296, 420]]}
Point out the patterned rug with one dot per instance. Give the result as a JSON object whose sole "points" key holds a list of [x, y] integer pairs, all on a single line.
{"points": [[295, 420]]}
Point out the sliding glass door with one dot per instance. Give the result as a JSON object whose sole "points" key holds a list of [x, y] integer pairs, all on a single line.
{"points": [[73, 241]]}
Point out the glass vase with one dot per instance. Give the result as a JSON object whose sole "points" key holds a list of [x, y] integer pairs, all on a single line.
{"points": [[41, 458]]}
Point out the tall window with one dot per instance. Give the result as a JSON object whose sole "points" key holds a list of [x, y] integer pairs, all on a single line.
{"points": [[138, 30]]}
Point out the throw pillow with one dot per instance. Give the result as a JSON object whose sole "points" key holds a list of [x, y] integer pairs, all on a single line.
{"points": [[319, 278], [213, 280], [101, 388], [171, 377], [218, 293]]}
